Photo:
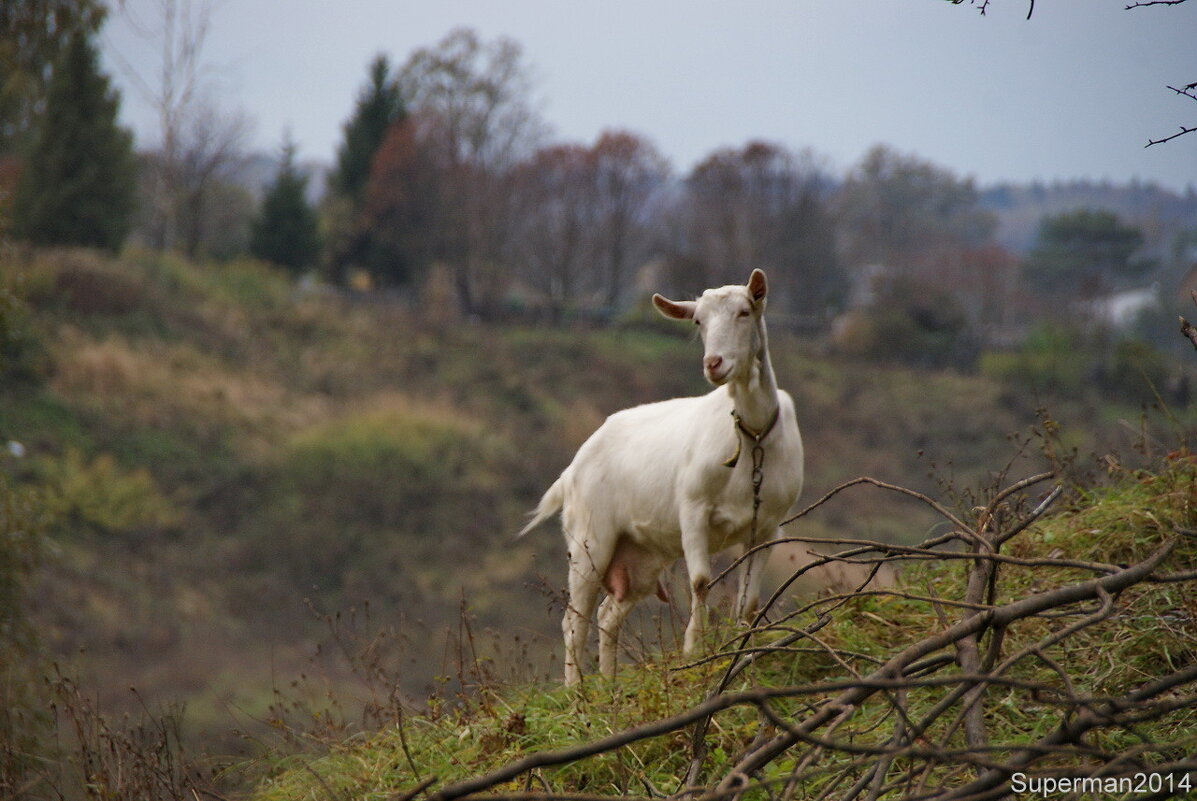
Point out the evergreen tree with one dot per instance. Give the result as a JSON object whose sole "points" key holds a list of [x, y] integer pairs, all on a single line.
{"points": [[77, 185], [33, 36], [352, 241], [285, 231], [1084, 253], [378, 106]]}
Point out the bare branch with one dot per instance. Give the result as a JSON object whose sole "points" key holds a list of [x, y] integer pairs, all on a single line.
{"points": [[1187, 91], [1182, 132], [1145, 3], [983, 6], [885, 485]]}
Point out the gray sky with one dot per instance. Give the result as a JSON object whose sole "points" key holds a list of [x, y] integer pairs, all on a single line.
{"points": [[1075, 92]]}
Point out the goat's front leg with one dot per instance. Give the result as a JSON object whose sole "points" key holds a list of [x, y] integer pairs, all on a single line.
{"points": [[696, 549]]}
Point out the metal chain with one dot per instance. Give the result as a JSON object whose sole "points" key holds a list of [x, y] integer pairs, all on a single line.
{"points": [[758, 478], [758, 473]]}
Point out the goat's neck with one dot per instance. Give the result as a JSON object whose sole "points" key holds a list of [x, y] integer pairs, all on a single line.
{"points": [[754, 396]]}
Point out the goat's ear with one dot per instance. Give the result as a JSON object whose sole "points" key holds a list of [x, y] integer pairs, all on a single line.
{"points": [[677, 309], [757, 287]]}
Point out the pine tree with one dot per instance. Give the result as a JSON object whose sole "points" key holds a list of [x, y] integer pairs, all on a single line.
{"points": [[33, 35], [77, 186], [352, 243], [378, 106], [285, 231]]}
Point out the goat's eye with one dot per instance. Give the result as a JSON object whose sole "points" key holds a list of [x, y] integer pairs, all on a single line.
{"points": [[696, 322], [743, 313]]}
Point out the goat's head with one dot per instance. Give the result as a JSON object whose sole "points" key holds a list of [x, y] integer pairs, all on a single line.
{"points": [[729, 319]]}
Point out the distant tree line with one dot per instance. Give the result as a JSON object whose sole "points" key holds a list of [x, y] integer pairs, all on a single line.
{"points": [[446, 174], [463, 179]]}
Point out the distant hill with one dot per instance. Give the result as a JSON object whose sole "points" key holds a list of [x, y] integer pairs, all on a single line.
{"points": [[1161, 213]]}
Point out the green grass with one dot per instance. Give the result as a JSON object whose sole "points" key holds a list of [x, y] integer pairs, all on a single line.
{"points": [[40, 419]]}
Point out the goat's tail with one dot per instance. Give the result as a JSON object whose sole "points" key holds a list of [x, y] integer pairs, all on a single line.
{"points": [[549, 505]]}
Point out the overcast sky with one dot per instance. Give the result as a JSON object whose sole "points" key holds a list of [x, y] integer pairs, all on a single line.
{"points": [[1075, 92]]}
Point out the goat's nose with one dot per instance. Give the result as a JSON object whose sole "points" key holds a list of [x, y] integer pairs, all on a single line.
{"points": [[711, 363]]}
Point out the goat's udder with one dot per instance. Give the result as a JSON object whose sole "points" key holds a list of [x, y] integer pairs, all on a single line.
{"points": [[632, 573]]}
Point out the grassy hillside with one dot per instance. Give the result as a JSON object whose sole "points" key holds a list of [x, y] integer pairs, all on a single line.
{"points": [[229, 466], [1150, 631]]}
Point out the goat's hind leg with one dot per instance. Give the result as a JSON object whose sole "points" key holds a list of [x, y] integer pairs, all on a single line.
{"points": [[587, 563], [611, 615], [575, 625]]}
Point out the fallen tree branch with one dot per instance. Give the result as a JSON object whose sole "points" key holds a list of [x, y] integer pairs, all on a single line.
{"points": [[1001, 617], [1071, 731]]}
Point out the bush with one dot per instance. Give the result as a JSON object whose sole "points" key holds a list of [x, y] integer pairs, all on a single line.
{"points": [[86, 284], [1136, 372], [396, 483], [23, 356], [98, 495], [244, 283], [1061, 361], [368, 460], [913, 324]]}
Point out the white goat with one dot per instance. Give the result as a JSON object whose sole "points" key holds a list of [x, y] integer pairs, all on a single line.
{"points": [[664, 480]]}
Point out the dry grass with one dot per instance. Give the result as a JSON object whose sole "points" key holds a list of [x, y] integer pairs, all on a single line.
{"points": [[160, 384]]}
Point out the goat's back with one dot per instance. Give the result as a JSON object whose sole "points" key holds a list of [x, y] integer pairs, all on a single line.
{"points": [[631, 475]]}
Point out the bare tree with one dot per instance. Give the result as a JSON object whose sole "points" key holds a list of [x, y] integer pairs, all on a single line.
{"points": [[629, 172], [475, 99], [210, 148], [554, 233], [198, 142], [763, 206], [898, 209], [582, 217]]}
